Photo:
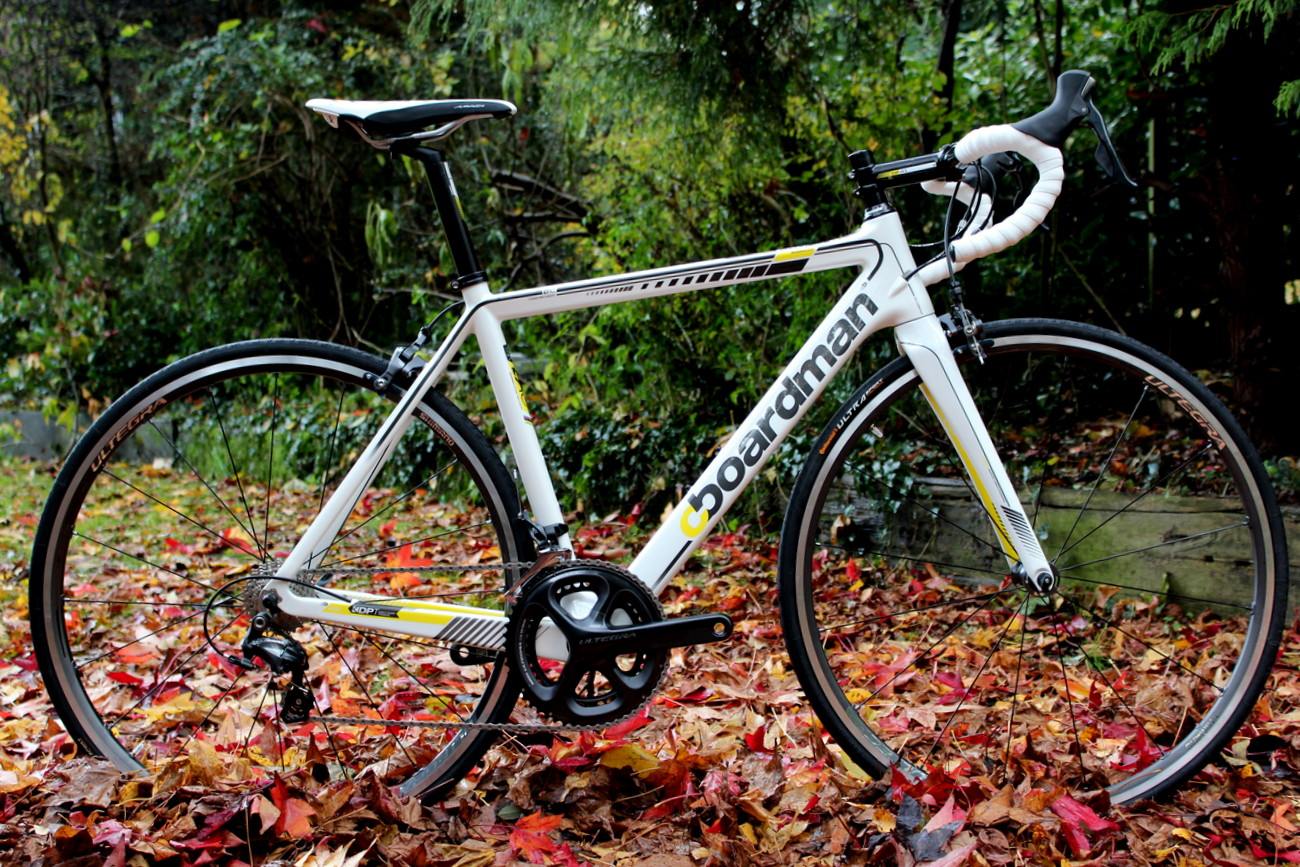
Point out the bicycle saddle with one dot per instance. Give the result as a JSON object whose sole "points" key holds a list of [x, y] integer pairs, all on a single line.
{"points": [[389, 119]]}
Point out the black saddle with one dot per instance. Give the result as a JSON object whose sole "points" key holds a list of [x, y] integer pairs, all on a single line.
{"points": [[386, 120]]}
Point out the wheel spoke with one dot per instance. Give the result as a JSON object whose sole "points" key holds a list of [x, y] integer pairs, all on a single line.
{"points": [[169, 507], [1167, 593], [924, 655], [1129, 505], [1101, 472], [919, 561], [377, 515], [840, 627], [204, 481], [1100, 437], [138, 639], [966, 691], [257, 435], [1158, 545], [907, 497], [214, 403]]}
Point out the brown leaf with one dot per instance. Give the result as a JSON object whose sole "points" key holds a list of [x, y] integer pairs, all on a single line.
{"points": [[661, 860], [267, 811], [88, 781]]}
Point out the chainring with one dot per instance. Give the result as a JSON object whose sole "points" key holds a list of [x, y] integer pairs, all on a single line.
{"points": [[583, 600]]}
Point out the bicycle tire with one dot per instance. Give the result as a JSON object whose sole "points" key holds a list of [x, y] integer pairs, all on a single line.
{"points": [[212, 467], [920, 652]]}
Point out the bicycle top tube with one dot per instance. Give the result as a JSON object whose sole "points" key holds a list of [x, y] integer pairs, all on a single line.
{"points": [[888, 292]]}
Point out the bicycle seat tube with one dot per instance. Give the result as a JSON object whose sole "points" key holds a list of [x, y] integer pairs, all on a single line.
{"points": [[471, 281]]}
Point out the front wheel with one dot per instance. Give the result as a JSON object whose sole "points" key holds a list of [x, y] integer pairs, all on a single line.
{"points": [[919, 648], [181, 499]]}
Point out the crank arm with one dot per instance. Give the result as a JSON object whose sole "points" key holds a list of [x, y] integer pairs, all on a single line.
{"points": [[661, 635]]}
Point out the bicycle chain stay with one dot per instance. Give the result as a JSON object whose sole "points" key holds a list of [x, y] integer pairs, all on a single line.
{"points": [[505, 728]]}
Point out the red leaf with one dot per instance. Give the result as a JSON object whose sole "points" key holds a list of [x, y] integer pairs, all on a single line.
{"points": [[1077, 839], [134, 658], [531, 839], [571, 763], [294, 816], [754, 740], [954, 858], [1075, 817], [234, 537], [1071, 810], [123, 677], [626, 727], [222, 663], [294, 812]]}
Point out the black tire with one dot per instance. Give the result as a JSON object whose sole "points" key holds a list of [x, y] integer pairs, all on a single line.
{"points": [[209, 469], [918, 650]]}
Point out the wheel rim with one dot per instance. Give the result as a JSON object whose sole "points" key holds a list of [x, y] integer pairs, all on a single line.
{"points": [[155, 552], [928, 655]]}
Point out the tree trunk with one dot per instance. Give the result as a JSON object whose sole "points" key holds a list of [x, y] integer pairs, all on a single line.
{"points": [[103, 82], [12, 249], [1247, 208]]}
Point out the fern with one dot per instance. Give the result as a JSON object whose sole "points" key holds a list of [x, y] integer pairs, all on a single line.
{"points": [[1288, 98], [1188, 38]]}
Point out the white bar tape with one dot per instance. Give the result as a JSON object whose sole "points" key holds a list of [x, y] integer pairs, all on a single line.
{"points": [[1047, 161]]}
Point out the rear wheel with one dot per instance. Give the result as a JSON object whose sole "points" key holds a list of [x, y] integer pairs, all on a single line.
{"points": [[920, 650], [189, 490]]}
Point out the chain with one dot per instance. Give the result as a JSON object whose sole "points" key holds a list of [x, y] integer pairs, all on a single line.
{"points": [[508, 728], [385, 570]]}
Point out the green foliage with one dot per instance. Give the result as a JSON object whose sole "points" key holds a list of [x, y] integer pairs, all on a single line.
{"points": [[237, 214], [167, 163], [1189, 38], [55, 332], [708, 59], [1288, 98]]}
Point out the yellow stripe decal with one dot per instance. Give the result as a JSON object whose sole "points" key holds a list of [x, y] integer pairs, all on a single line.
{"points": [[1005, 539], [413, 610], [786, 255]]}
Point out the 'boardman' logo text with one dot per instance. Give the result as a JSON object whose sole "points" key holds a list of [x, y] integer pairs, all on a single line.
{"points": [[795, 391]]}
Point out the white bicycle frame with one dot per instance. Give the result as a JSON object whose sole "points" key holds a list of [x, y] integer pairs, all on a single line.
{"points": [[889, 292]]}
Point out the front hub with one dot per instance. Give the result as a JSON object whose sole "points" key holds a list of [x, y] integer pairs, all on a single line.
{"points": [[1042, 583]]}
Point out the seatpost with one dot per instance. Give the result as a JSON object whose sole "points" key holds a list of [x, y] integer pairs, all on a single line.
{"points": [[449, 211]]}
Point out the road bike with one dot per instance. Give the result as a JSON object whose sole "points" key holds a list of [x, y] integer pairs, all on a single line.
{"points": [[1032, 549]]}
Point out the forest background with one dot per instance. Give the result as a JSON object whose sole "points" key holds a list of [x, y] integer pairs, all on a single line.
{"points": [[163, 189]]}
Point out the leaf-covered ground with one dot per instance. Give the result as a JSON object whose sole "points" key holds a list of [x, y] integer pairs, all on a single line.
{"points": [[725, 767]]}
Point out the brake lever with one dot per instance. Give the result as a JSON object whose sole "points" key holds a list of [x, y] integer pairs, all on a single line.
{"points": [[1106, 155]]}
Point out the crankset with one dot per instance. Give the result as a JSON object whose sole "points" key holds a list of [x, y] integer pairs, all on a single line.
{"points": [[617, 637]]}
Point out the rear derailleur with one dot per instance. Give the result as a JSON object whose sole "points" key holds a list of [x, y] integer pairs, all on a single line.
{"points": [[282, 654]]}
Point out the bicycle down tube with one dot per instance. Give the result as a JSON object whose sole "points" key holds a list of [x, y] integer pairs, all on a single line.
{"points": [[883, 295]]}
